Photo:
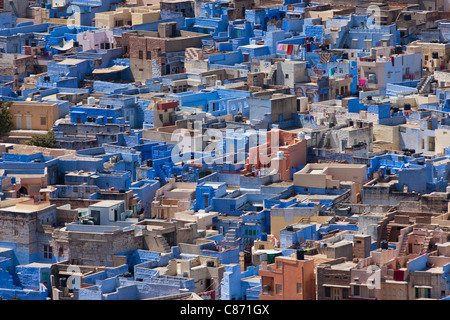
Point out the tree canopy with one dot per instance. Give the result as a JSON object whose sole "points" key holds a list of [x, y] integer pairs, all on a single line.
{"points": [[43, 140], [6, 118]]}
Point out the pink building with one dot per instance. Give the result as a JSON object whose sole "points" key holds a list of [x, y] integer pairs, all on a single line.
{"points": [[288, 278], [282, 152], [96, 39]]}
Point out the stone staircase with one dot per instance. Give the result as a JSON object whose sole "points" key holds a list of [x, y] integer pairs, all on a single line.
{"points": [[426, 243], [424, 84], [403, 246], [163, 244], [272, 71], [231, 239]]}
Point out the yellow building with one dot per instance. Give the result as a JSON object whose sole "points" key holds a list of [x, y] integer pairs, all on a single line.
{"points": [[29, 115], [127, 16]]}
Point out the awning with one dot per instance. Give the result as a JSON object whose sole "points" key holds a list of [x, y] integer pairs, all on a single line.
{"points": [[203, 27], [63, 45], [335, 286], [109, 70]]}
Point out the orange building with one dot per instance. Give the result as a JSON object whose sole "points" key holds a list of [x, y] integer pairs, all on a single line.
{"points": [[285, 152], [288, 278], [31, 115]]}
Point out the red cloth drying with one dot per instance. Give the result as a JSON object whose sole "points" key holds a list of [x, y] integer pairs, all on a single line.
{"points": [[290, 48]]}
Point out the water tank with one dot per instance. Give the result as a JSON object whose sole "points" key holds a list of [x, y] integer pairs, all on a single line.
{"points": [[210, 263], [300, 254], [301, 135], [384, 245], [91, 101], [280, 154]]}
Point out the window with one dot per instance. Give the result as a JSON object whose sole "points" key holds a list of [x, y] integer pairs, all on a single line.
{"points": [[279, 264], [141, 54], [327, 292], [345, 293], [149, 55], [299, 288], [43, 121], [356, 290], [279, 289], [286, 76], [417, 293], [48, 252]]}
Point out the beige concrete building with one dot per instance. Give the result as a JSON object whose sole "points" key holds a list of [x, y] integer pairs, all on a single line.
{"points": [[330, 175], [436, 56], [172, 198], [127, 16], [441, 140], [30, 115]]}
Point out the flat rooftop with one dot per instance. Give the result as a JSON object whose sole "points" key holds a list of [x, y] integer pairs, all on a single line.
{"points": [[37, 265], [71, 62], [107, 203], [345, 266]]}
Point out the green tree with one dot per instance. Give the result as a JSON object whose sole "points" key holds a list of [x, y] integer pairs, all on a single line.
{"points": [[6, 118], [43, 140]]}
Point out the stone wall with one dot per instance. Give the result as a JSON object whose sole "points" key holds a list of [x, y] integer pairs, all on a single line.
{"points": [[89, 248]]}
